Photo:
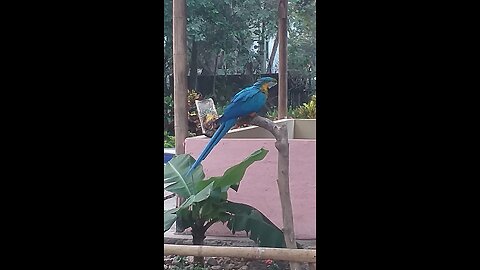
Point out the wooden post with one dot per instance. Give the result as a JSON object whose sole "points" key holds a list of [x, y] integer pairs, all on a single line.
{"points": [[180, 109], [282, 59], [280, 133], [180, 74]]}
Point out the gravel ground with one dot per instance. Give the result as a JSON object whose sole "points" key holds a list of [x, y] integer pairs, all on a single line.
{"points": [[223, 263]]}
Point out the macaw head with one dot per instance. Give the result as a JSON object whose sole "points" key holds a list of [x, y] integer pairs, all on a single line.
{"points": [[265, 83]]}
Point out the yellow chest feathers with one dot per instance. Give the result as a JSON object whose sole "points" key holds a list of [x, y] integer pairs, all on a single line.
{"points": [[264, 88]]}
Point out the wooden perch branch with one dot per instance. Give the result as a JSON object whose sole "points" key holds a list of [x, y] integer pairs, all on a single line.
{"points": [[280, 133]]}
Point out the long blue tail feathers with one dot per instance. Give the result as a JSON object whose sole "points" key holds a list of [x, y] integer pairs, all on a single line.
{"points": [[221, 131]]}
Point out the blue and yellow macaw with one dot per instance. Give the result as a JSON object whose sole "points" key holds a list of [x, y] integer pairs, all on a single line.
{"points": [[246, 102]]}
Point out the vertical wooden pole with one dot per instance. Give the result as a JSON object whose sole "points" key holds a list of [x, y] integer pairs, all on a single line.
{"points": [[180, 78], [180, 74], [282, 63]]}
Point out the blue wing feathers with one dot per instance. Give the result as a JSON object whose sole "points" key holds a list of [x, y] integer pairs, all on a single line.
{"points": [[245, 102], [221, 131]]}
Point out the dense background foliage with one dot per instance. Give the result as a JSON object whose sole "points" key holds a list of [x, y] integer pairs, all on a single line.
{"points": [[227, 43]]}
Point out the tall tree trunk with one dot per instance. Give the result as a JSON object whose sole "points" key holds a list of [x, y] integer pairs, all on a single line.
{"points": [[264, 48], [214, 94], [225, 77], [165, 74], [180, 77], [272, 55], [194, 64], [180, 74], [248, 69], [215, 75]]}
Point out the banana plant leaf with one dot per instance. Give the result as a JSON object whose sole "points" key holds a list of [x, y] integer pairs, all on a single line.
{"points": [[200, 196], [185, 186], [233, 175], [185, 219], [169, 217], [258, 227], [174, 174]]}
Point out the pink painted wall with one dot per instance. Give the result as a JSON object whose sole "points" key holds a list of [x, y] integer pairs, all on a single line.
{"points": [[259, 187]]}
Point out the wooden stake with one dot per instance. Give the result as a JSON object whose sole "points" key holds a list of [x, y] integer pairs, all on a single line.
{"points": [[282, 59]]}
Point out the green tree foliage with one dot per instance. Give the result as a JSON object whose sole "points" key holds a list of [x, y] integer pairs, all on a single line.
{"points": [[167, 41], [168, 140], [224, 35], [302, 37], [168, 114], [226, 29]]}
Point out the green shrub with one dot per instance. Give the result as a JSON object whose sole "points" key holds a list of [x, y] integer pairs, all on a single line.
{"points": [[168, 114], [168, 141], [307, 110], [193, 122]]}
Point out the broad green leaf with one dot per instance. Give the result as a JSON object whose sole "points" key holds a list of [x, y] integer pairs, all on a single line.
{"points": [[187, 202], [208, 210], [204, 183], [184, 219], [204, 193], [258, 227], [169, 218], [212, 209], [233, 175], [175, 171], [218, 195], [200, 196]]}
